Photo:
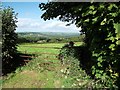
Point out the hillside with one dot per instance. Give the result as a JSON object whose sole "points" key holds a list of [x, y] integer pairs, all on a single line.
{"points": [[48, 37], [48, 34]]}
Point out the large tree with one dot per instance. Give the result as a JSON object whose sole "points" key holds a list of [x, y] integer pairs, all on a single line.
{"points": [[9, 38], [98, 22]]}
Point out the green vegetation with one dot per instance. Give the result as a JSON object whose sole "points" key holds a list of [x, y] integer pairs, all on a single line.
{"points": [[9, 38], [48, 37], [46, 70], [44, 48], [93, 62], [97, 21]]}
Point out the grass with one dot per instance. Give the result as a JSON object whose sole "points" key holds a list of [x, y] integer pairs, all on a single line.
{"points": [[45, 71], [48, 48], [37, 50], [38, 73]]}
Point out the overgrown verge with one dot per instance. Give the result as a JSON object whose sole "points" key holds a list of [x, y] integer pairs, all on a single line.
{"points": [[78, 60]]}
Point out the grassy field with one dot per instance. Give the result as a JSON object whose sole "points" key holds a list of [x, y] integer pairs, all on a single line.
{"points": [[45, 70], [42, 48]]}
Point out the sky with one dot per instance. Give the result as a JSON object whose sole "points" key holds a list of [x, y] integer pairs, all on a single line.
{"points": [[29, 19]]}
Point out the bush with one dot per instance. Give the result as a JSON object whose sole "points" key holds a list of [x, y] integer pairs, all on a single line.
{"points": [[9, 38], [79, 57], [79, 52]]}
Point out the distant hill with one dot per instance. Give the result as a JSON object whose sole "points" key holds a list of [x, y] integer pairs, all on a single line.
{"points": [[48, 34]]}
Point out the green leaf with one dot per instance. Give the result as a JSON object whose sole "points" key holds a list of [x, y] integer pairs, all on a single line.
{"points": [[99, 64], [98, 75], [112, 47]]}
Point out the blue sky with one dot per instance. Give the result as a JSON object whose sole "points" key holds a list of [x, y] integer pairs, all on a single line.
{"points": [[29, 19]]}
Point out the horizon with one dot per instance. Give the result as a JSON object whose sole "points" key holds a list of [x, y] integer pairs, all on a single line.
{"points": [[49, 32]]}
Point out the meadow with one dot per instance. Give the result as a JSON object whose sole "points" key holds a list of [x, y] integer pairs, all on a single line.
{"points": [[44, 70], [52, 48]]}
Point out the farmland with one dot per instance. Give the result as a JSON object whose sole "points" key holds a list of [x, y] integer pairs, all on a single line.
{"points": [[42, 48]]}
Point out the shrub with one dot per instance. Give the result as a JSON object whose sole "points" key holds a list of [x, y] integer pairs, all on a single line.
{"points": [[79, 52]]}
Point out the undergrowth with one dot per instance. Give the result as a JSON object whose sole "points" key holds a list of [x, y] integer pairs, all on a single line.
{"points": [[78, 74]]}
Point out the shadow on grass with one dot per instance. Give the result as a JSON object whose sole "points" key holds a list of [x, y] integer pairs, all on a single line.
{"points": [[19, 60]]}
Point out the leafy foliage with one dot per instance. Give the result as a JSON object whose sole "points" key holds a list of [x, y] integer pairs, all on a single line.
{"points": [[73, 61], [78, 52], [9, 38], [97, 21]]}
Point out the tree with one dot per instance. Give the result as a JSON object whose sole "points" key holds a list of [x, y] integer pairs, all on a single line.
{"points": [[97, 21], [9, 38]]}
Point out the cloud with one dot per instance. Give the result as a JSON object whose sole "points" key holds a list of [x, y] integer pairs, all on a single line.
{"points": [[37, 25], [27, 23]]}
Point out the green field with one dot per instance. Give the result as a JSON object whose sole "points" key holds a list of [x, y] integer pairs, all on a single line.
{"points": [[45, 70], [42, 48]]}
